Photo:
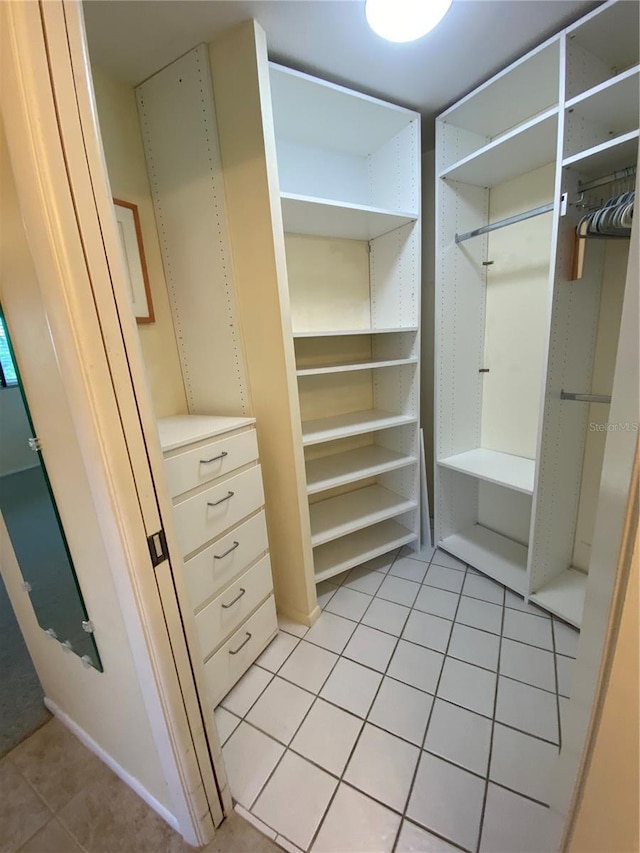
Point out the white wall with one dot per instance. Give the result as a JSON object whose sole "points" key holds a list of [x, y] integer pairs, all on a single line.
{"points": [[516, 314], [15, 453], [124, 153], [107, 706]]}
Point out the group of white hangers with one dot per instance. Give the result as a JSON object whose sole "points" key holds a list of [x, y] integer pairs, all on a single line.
{"points": [[614, 219]]}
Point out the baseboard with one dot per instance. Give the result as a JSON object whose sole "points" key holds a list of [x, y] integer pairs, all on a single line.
{"points": [[298, 616], [120, 772]]}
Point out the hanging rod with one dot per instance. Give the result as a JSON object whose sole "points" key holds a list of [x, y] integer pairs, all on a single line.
{"points": [[618, 175], [585, 398], [510, 220]]}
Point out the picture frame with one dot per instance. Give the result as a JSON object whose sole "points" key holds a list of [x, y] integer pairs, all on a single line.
{"points": [[135, 264]]}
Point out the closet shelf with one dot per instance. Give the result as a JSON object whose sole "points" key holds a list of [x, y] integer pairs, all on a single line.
{"points": [[349, 551], [344, 514], [496, 556], [353, 423], [527, 147], [564, 596], [509, 99], [353, 465], [607, 157], [357, 365], [612, 104], [335, 333], [321, 217], [504, 469]]}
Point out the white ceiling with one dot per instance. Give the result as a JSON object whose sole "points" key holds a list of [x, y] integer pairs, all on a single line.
{"points": [[132, 39]]}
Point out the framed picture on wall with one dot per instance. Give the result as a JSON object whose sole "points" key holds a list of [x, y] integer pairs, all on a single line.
{"points": [[134, 261]]}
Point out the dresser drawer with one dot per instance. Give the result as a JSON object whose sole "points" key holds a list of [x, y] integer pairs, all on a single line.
{"points": [[229, 610], [212, 569], [205, 463], [207, 515], [224, 668]]}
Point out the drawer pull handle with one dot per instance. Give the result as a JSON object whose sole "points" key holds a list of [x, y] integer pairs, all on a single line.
{"points": [[227, 552], [214, 458], [221, 501], [242, 645], [237, 598]]}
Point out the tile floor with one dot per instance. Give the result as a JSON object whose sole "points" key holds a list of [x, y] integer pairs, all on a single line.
{"points": [[57, 797], [422, 712]]}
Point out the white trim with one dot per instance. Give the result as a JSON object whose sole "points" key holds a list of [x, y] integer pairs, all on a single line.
{"points": [[120, 772]]}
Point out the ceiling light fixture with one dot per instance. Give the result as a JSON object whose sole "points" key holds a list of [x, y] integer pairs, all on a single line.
{"points": [[404, 20]]}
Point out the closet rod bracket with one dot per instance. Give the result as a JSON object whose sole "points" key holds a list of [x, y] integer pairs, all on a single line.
{"points": [[585, 398]]}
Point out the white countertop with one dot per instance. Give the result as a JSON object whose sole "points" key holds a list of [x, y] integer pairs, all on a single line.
{"points": [[180, 430]]}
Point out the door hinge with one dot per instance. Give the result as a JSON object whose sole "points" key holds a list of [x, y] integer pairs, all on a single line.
{"points": [[158, 547], [35, 444]]}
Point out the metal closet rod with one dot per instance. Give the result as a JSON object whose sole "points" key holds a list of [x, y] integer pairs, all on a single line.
{"points": [[510, 220], [585, 398], [618, 175]]}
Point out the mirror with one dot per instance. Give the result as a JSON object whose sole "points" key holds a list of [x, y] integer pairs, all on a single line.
{"points": [[31, 516]]}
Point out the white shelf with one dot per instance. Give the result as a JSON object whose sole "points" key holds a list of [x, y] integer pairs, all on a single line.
{"points": [[613, 104], [353, 465], [496, 556], [322, 217], [527, 147], [504, 469], [607, 157], [353, 423], [357, 365], [509, 99], [322, 114], [334, 333], [564, 596], [356, 548], [344, 514]]}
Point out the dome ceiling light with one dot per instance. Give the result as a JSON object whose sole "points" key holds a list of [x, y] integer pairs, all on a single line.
{"points": [[404, 20]]}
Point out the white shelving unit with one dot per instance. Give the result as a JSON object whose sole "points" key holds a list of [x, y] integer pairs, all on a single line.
{"points": [[350, 193], [517, 471]]}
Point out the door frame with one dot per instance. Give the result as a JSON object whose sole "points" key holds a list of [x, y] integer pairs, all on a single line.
{"points": [[58, 163]]}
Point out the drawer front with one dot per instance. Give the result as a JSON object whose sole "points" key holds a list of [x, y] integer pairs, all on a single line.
{"points": [[207, 515], [229, 610], [198, 466], [216, 566], [239, 652]]}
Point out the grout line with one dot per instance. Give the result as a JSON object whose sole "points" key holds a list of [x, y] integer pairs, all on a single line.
{"points": [[384, 674], [493, 727], [287, 747], [364, 723], [557, 679], [437, 834], [426, 731]]}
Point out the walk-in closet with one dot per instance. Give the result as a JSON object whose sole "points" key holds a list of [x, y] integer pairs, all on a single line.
{"points": [[380, 668]]}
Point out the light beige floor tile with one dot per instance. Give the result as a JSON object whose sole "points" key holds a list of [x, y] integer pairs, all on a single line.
{"points": [[22, 812], [108, 817], [57, 765], [52, 838]]}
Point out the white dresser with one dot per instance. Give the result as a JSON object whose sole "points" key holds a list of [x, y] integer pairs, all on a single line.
{"points": [[215, 482]]}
